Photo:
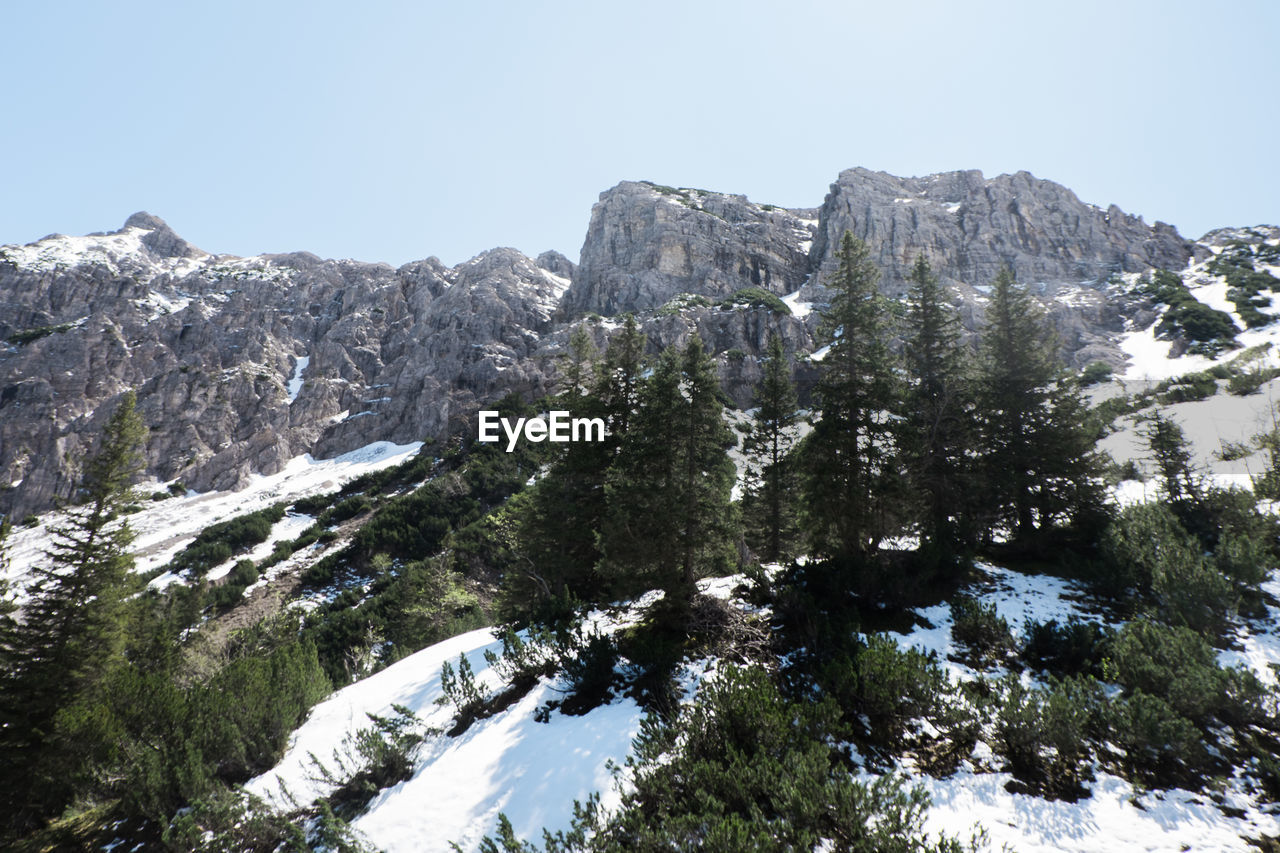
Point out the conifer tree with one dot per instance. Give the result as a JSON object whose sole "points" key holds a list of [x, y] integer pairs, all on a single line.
{"points": [[669, 517], [768, 501], [938, 426], [1038, 465], [849, 459], [578, 362], [563, 513], [71, 629]]}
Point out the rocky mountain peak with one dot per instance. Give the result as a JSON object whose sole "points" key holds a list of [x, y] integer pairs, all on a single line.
{"points": [[968, 227]]}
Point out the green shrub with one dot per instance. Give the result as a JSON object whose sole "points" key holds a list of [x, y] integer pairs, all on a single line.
{"points": [[1159, 745], [1176, 664], [1074, 648], [710, 781], [755, 297], [1188, 388], [1146, 552], [979, 627], [882, 688], [217, 543], [1044, 735], [30, 335], [1094, 373]]}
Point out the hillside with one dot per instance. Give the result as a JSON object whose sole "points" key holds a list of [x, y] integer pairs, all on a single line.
{"points": [[348, 624]]}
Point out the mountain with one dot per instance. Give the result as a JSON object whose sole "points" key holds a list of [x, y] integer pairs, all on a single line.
{"points": [[241, 364]]}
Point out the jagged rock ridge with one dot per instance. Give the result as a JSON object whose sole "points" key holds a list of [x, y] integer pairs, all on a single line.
{"points": [[243, 363]]}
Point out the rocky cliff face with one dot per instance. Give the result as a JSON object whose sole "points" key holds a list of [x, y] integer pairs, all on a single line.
{"points": [[968, 227], [243, 363], [647, 243]]}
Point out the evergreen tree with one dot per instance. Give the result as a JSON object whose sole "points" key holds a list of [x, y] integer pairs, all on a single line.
{"points": [[578, 362], [1183, 487], [71, 630], [768, 499], [849, 459], [938, 427], [668, 514], [562, 515], [1038, 465]]}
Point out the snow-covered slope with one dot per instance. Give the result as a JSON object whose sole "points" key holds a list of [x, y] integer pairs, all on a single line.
{"points": [[164, 528], [508, 763]]}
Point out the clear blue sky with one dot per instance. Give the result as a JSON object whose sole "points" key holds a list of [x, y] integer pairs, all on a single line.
{"points": [[394, 131]]}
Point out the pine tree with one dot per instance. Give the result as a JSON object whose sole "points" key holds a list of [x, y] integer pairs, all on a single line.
{"points": [[938, 426], [71, 630], [768, 498], [562, 515], [669, 518], [578, 362], [1038, 460], [849, 459]]}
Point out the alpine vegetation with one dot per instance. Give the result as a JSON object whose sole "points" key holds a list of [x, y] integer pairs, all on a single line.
{"points": [[890, 567]]}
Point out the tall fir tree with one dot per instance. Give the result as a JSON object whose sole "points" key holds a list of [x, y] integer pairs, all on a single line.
{"points": [[578, 362], [939, 429], [669, 519], [563, 512], [1038, 465], [849, 460], [71, 629], [768, 505]]}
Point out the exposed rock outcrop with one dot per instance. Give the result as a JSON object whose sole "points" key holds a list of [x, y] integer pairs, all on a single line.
{"points": [[968, 227], [646, 243]]}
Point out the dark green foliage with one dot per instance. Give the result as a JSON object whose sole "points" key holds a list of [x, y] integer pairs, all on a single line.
{"points": [[1245, 285], [984, 632], [72, 631], [1171, 452], [769, 511], [1148, 554], [668, 519], [847, 462], [939, 426], [1177, 664], [219, 542], [1043, 734], [374, 758], [229, 592], [1094, 373], [1210, 331], [1187, 388], [1076, 647], [558, 526], [1158, 745], [232, 820], [27, 336], [415, 525], [755, 297], [421, 603], [1038, 462], [1267, 484], [753, 772], [578, 363]]}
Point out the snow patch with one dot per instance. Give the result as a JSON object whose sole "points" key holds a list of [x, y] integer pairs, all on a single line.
{"points": [[295, 381]]}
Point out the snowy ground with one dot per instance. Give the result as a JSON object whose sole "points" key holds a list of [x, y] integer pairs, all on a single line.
{"points": [[165, 527], [533, 771], [508, 763], [1115, 817]]}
